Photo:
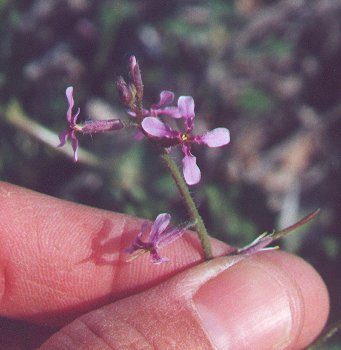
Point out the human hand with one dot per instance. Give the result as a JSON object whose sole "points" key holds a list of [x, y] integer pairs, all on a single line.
{"points": [[60, 261]]}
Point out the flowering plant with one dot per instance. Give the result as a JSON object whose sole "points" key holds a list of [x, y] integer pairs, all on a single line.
{"points": [[150, 125]]}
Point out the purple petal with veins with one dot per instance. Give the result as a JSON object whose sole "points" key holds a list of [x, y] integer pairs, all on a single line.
{"points": [[63, 136], [69, 92], [157, 128], [215, 138], [170, 112], [186, 107], [191, 170], [74, 143], [166, 98], [75, 117], [171, 235], [159, 225], [138, 136]]}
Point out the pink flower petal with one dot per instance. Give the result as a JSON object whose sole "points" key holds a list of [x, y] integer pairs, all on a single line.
{"points": [[215, 138], [138, 136], [138, 243], [69, 92], [145, 112], [170, 236], [74, 143], [156, 127], [171, 112], [191, 171], [160, 224], [166, 98], [186, 107], [75, 117], [63, 136]]}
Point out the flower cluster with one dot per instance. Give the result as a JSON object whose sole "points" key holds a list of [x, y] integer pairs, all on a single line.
{"points": [[89, 127], [153, 127], [150, 125], [160, 235], [215, 138]]}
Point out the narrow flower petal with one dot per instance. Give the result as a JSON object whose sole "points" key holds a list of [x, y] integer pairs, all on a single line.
{"points": [[166, 98], [215, 138], [138, 136], [69, 96], [170, 112], [157, 128], [191, 170], [63, 136], [74, 143], [160, 224], [75, 117], [145, 112], [138, 243], [170, 235], [186, 107]]}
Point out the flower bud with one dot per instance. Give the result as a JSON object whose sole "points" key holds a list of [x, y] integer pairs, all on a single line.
{"points": [[97, 126], [136, 76], [126, 96]]}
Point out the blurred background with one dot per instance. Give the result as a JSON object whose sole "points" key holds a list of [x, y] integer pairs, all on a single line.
{"points": [[270, 71]]}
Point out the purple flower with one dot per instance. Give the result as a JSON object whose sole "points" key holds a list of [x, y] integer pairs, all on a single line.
{"points": [[160, 108], [89, 127], [215, 138], [159, 236]]}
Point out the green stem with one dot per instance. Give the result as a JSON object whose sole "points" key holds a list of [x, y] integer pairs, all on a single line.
{"points": [[191, 207]]}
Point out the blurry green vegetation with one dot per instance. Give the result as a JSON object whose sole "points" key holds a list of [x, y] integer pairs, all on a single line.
{"points": [[331, 247], [225, 216], [270, 47], [255, 101], [111, 15]]}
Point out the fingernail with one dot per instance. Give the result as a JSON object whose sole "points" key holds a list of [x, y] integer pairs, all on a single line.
{"points": [[249, 306]]}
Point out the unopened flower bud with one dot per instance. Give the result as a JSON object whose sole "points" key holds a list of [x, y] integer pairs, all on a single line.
{"points": [[96, 126], [136, 76], [124, 91]]}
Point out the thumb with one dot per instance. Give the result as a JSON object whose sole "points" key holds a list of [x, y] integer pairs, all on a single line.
{"points": [[269, 301]]}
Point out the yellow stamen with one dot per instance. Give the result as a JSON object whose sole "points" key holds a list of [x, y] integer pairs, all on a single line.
{"points": [[184, 137]]}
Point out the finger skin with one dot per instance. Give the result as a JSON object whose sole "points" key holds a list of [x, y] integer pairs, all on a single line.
{"points": [[59, 259], [248, 296]]}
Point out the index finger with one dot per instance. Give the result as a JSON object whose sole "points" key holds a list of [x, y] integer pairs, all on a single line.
{"points": [[59, 259]]}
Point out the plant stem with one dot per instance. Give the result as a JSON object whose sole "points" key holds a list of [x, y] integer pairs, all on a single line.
{"points": [[191, 207]]}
